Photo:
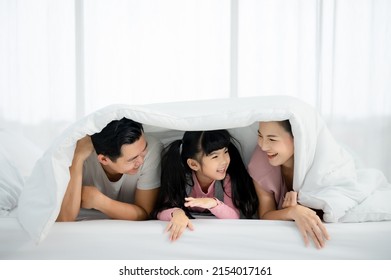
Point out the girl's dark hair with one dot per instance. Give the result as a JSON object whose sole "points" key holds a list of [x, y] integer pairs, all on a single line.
{"points": [[176, 175], [109, 141]]}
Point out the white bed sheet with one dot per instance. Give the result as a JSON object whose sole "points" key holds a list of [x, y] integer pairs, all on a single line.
{"points": [[211, 239]]}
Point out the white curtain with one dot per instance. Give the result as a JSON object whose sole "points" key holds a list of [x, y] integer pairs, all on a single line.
{"points": [[60, 60], [37, 65], [155, 51]]}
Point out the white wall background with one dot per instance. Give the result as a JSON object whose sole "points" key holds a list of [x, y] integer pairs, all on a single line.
{"points": [[60, 60]]}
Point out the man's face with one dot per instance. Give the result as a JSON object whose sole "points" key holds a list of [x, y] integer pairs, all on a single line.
{"points": [[131, 159]]}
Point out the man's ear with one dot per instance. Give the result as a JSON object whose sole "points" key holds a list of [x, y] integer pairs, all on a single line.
{"points": [[103, 159], [193, 164]]}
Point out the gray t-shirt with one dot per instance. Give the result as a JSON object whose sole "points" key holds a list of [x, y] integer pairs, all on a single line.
{"points": [[147, 177]]}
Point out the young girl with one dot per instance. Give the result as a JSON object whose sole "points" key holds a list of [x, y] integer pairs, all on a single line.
{"points": [[203, 173], [271, 168]]}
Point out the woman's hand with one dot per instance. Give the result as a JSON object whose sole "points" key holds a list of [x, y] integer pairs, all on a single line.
{"points": [[205, 202], [178, 224], [290, 199], [310, 225]]}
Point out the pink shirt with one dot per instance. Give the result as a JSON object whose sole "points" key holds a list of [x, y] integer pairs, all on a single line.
{"points": [[223, 210], [267, 176]]}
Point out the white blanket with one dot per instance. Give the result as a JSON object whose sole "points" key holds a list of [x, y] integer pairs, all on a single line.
{"points": [[325, 174]]}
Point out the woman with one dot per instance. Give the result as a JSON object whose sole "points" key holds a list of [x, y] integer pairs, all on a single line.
{"points": [[272, 169]]}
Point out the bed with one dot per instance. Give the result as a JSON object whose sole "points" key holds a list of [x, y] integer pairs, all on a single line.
{"points": [[359, 215], [212, 239]]}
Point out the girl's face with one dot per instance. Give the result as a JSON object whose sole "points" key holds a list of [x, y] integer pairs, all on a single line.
{"points": [[276, 143], [213, 166]]}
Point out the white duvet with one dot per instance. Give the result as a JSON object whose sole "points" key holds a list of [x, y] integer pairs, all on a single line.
{"points": [[325, 174]]}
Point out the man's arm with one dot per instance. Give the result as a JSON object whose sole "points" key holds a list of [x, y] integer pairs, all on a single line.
{"points": [[140, 210], [71, 202]]}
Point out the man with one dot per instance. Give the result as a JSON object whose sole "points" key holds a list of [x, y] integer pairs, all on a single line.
{"points": [[115, 171]]}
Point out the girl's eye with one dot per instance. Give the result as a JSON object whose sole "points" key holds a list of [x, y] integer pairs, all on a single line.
{"points": [[272, 140]]}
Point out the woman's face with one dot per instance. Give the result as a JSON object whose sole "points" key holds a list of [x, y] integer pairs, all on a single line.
{"points": [[276, 143]]}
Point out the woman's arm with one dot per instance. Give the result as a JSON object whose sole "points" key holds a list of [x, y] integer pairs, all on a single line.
{"points": [[308, 223]]}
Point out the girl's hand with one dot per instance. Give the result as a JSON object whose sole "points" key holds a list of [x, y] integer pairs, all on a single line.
{"points": [[178, 224], [205, 202], [310, 226], [290, 199]]}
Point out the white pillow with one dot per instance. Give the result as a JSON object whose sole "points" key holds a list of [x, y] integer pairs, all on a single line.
{"points": [[17, 158], [376, 207], [19, 151], [11, 184]]}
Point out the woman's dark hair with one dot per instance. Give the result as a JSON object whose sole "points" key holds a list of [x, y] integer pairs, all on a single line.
{"points": [[286, 125], [176, 175], [109, 141]]}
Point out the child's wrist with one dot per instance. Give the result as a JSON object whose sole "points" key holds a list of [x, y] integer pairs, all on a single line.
{"points": [[218, 202], [176, 212]]}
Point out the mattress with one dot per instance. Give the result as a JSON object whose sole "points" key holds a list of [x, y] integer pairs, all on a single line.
{"points": [[216, 239]]}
